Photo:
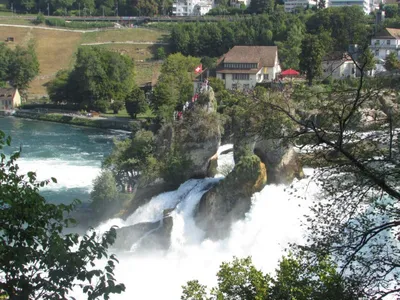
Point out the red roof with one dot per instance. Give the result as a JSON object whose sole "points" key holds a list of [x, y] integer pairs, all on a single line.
{"points": [[289, 72]]}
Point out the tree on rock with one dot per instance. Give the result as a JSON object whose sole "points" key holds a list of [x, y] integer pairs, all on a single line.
{"points": [[175, 85], [37, 259]]}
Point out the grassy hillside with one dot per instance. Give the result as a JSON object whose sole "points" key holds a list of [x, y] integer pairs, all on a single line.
{"points": [[56, 50]]}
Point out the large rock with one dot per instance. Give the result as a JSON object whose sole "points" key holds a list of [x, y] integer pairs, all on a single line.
{"points": [[282, 162], [129, 235], [142, 194], [230, 199], [146, 236], [279, 157]]}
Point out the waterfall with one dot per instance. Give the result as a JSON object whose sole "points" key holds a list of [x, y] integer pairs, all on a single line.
{"points": [[272, 222]]}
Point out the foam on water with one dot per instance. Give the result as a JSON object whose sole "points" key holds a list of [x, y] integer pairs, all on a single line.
{"points": [[69, 174], [272, 222]]}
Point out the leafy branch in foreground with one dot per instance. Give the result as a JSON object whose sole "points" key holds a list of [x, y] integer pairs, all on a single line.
{"points": [[351, 131], [295, 278], [38, 261]]}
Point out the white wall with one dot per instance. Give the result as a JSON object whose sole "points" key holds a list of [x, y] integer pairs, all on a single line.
{"points": [[380, 47]]}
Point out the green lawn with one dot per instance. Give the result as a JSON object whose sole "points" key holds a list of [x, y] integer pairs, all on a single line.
{"points": [[15, 21], [124, 35], [124, 114]]}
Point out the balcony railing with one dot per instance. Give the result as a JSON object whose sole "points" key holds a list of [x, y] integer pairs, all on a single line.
{"points": [[384, 46]]}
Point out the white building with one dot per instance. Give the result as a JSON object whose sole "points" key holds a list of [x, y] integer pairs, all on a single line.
{"points": [[238, 3], [338, 66], [290, 5], [191, 7], [245, 66], [385, 42], [367, 5]]}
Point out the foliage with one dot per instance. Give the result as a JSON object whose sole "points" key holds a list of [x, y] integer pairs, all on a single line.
{"points": [[37, 259], [57, 88], [116, 106], [261, 6], [94, 7], [136, 102], [98, 77], [289, 50], [18, 66], [345, 26], [312, 52], [161, 53], [104, 193], [392, 62], [40, 19], [174, 165], [354, 218], [129, 158], [294, 279], [174, 86], [77, 25]]}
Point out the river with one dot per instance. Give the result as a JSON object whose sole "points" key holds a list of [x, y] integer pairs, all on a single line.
{"points": [[73, 155]]}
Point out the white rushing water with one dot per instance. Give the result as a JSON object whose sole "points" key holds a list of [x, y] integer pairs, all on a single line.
{"points": [[272, 222], [69, 174]]}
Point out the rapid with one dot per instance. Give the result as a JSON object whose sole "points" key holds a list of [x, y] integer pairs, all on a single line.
{"points": [[73, 155]]}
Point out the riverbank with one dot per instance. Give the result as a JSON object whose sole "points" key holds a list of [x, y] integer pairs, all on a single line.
{"points": [[96, 122]]}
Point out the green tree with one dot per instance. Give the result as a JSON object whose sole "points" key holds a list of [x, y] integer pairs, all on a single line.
{"points": [[355, 217], [24, 66], [290, 50], [5, 58], [37, 259], [104, 195], [295, 279], [161, 53], [57, 89], [175, 85], [147, 7], [261, 6], [392, 62], [100, 76], [129, 158], [136, 103], [312, 52]]}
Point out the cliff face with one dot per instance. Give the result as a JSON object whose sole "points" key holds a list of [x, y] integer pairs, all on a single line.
{"points": [[279, 157], [185, 149], [230, 199], [281, 160]]}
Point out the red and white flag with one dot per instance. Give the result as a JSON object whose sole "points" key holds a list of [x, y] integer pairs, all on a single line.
{"points": [[199, 69]]}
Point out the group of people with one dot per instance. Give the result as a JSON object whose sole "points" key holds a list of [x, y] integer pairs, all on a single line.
{"points": [[187, 106]]}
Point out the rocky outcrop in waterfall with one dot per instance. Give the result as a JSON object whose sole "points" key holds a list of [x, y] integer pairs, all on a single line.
{"points": [[282, 162], [230, 199], [185, 149], [148, 235], [279, 157]]}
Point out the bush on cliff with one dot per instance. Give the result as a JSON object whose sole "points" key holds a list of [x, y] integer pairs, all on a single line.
{"points": [[104, 195]]}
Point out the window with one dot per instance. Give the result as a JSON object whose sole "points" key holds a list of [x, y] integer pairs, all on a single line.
{"points": [[234, 86], [266, 76], [246, 86], [377, 52], [388, 42], [223, 76], [377, 42], [240, 76]]}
